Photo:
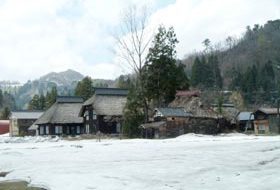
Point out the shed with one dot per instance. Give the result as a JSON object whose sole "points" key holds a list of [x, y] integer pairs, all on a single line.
{"points": [[267, 121], [20, 121], [245, 121], [62, 118]]}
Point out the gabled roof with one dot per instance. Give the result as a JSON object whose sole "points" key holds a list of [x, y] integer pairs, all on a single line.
{"points": [[245, 116], [107, 101], [26, 114], [173, 112], [62, 112], [268, 111]]}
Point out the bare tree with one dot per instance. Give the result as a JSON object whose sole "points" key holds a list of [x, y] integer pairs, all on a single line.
{"points": [[133, 42]]}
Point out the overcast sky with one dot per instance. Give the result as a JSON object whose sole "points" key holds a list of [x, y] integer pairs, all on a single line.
{"points": [[40, 36]]}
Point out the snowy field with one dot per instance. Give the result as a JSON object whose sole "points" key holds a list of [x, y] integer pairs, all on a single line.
{"points": [[225, 162]]}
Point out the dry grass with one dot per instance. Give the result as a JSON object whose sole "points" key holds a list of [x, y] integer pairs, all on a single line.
{"points": [[17, 185]]}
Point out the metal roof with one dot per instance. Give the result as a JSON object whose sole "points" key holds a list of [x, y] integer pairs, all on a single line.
{"points": [[26, 114], [111, 91], [173, 112], [245, 116], [69, 99]]}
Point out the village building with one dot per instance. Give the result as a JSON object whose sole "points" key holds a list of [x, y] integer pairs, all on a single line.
{"points": [[204, 120], [168, 122], [267, 121], [62, 118], [245, 121], [4, 126], [104, 110], [20, 121]]}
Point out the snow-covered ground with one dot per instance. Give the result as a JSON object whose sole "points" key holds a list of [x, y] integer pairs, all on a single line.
{"points": [[233, 161]]}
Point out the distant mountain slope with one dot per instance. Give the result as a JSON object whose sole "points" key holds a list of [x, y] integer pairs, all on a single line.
{"points": [[64, 81], [64, 78]]}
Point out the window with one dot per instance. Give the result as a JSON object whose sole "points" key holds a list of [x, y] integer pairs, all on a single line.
{"points": [[47, 130], [58, 129], [118, 127], [94, 117], [78, 130], [41, 130], [87, 128]]}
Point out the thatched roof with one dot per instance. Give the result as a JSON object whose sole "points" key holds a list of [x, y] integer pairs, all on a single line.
{"points": [[107, 101], [64, 110], [172, 112], [268, 111], [194, 106]]}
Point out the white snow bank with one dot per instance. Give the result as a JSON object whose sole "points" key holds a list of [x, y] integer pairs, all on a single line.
{"points": [[28, 139], [191, 161]]}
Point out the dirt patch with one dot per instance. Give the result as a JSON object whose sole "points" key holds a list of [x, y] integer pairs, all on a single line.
{"points": [[3, 174], [17, 185]]}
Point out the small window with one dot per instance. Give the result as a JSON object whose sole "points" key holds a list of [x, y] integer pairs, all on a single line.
{"points": [[41, 130], [78, 130], [47, 130], [87, 128], [58, 129]]}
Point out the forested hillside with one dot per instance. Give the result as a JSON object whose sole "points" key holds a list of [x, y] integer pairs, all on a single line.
{"points": [[250, 64]]}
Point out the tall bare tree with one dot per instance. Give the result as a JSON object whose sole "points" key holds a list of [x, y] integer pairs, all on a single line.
{"points": [[133, 42]]}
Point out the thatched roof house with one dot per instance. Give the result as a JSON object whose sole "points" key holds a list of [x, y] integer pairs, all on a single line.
{"points": [[104, 110], [107, 101], [62, 118], [193, 105]]}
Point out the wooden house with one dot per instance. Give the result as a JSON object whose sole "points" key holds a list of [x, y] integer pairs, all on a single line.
{"points": [[20, 121], [168, 122], [267, 121], [204, 120], [104, 110], [62, 118]]}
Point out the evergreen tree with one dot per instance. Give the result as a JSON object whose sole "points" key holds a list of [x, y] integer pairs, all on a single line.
{"points": [[42, 102], [124, 82], [51, 97], [34, 103], [215, 77], [5, 113], [133, 114], [162, 76], [84, 88], [196, 72]]}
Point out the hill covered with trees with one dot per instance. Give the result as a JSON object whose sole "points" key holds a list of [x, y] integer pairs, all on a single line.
{"points": [[250, 64]]}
